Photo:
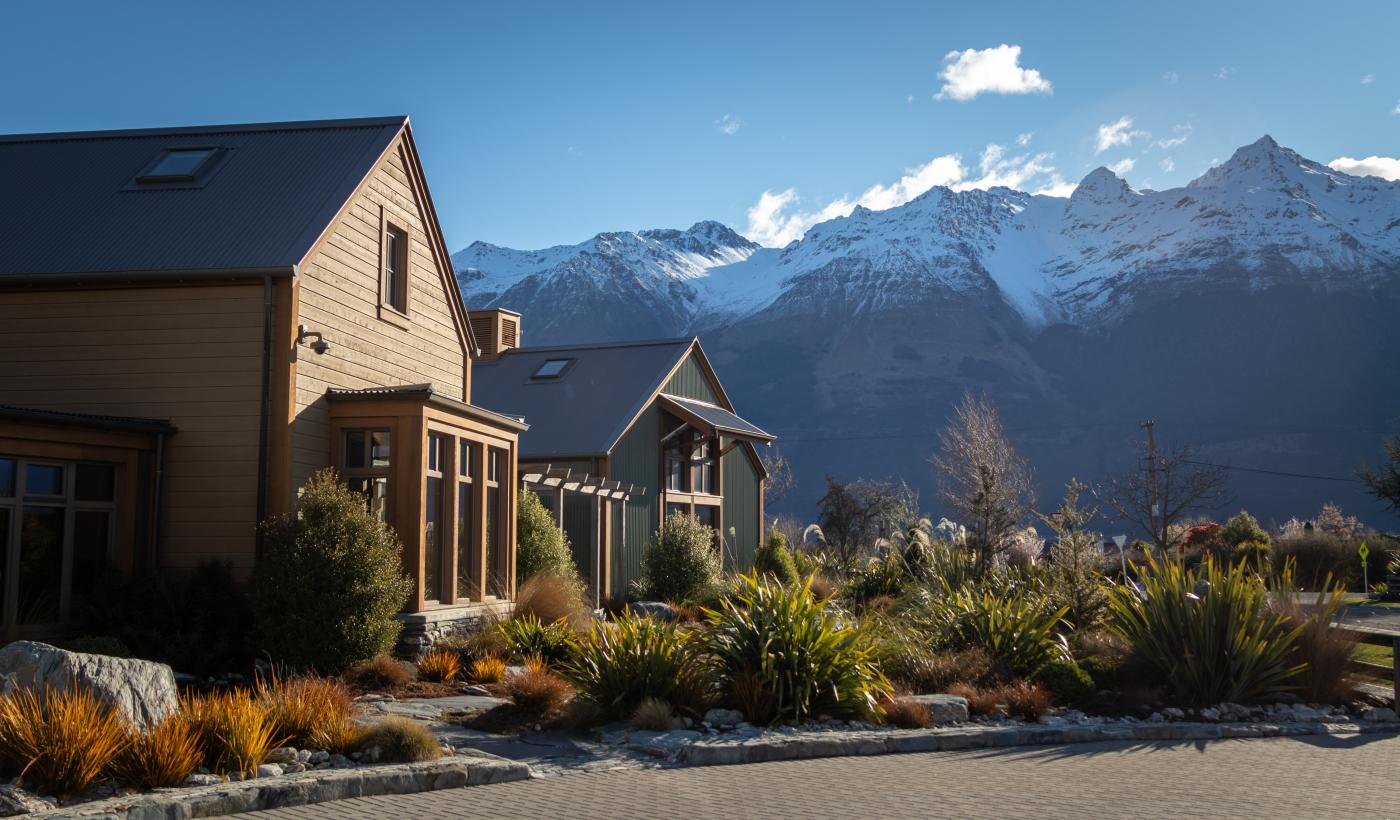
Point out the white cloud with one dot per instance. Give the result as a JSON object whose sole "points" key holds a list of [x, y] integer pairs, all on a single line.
{"points": [[996, 70], [1056, 187], [1116, 133], [728, 124], [1183, 133], [909, 99], [1167, 165], [1383, 167], [1123, 166], [1024, 139], [1368, 79], [1171, 77], [1225, 72], [776, 219], [1397, 109]]}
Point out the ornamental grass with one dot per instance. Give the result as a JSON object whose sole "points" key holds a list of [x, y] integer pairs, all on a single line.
{"points": [[236, 730], [161, 755], [310, 712], [622, 664], [439, 665], [59, 740]]}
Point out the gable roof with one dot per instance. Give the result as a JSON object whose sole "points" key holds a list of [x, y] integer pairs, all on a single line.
{"points": [[584, 412], [72, 200], [705, 415]]}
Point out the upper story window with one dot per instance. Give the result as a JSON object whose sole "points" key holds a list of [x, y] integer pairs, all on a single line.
{"points": [[552, 369], [396, 268]]}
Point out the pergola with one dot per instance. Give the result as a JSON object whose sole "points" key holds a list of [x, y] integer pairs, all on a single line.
{"points": [[553, 482]]}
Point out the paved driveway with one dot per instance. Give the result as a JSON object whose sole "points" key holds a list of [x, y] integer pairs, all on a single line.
{"points": [[1350, 776]]}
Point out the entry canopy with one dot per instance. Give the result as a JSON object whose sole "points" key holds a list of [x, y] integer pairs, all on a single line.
{"points": [[712, 418]]}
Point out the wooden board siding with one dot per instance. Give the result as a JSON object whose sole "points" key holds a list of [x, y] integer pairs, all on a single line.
{"points": [[636, 460], [192, 354], [689, 381], [339, 297], [742, 508]]}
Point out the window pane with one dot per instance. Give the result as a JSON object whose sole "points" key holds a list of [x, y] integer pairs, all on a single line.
{"points": [[376, 492], [495, 574], [4, 559], [466, 464], [466, 545], [40, 564], [7, 477], [43, 479], [90, 535], [706, 514], [432, 540], [674, 508], [493, 464], [437, 450], [94, 482], [354, 449], [551, 368], [379, 448], [180, 163]]}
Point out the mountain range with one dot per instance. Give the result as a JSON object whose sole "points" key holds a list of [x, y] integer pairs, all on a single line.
{"points": [[1252, 313]]}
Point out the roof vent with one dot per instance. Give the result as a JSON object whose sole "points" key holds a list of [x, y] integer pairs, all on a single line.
{"points": [[495, 331]]}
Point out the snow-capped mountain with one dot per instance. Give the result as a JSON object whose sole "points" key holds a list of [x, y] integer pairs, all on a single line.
{"points": [[1271, 273]]}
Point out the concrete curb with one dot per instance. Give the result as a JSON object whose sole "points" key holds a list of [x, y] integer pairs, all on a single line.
{"points": [[299, 789], [805, 745]]}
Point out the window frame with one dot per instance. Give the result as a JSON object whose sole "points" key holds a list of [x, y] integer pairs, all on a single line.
{"points": [[565, 366], [394, 306], [369, 470]]}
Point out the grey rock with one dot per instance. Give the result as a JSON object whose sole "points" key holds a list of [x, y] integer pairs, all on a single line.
{"points": [[142, 691], [1210, 713], [724, 717], [203, 780], [269, 770], [1173, 713], [286, 754], [304, 755], [293, 767], [341, 762], [15, 801], [942, 709], [660, 610], [319, 757], [1379, 714], [1303, 712], [373, 753]]}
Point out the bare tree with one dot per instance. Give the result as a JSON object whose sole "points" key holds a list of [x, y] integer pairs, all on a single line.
{"points": [[1384, 481], [780, 481], [1167, 487], [982, 479], [851, 517]]}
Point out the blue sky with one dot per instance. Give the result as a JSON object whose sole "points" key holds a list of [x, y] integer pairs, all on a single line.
{"points": [[543, 124]]}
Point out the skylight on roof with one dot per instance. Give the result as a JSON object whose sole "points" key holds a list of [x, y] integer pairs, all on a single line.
{"points": [[552, 369], [177, 164]]}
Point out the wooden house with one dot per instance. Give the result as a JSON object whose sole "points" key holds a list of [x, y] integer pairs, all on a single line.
{"points": [[194, 320], [622, 434]]}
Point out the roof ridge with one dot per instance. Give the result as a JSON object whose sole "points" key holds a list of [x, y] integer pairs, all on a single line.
{"points": [[181, 130], [600, 345]]}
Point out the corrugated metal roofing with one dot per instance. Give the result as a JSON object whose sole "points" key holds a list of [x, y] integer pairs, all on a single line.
{"points": [[585, 411], [86, 419], [71, 206], [433, 396], [718, 418]]}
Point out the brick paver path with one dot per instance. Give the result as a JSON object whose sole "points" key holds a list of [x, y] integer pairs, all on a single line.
{"points": [[1348, 776]]}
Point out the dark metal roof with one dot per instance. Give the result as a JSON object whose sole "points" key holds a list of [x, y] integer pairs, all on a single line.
{"points": [[429, 396], [71, 205], [86, 419], [715, 417], [584, 412]]}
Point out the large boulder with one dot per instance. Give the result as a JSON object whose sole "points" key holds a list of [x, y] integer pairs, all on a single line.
{"points": [[143, 691], [942, 708]]}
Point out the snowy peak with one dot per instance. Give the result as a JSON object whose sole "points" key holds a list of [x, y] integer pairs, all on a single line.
{"points": [[1102, 187]]}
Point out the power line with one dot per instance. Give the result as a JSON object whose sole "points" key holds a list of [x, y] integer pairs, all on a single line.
{"points": [[1275, 472]]}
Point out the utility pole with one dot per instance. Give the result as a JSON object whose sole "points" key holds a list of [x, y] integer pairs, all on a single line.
{"points": [[1155, 500]]}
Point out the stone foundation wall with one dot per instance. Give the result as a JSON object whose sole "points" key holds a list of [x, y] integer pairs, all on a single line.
{"points": [[423, 629]]}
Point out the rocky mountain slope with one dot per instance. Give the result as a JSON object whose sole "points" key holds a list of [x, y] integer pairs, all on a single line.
{"points": [[1250, 312]]}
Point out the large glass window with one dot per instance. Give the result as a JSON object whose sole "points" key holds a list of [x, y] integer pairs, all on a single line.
{"points": [[468, 558], [365, 467], [495, 566], [433, 522], [56, 536]]}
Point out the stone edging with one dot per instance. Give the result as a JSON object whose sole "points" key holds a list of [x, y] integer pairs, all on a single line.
{"points": [[299, 789], [719, 751]]}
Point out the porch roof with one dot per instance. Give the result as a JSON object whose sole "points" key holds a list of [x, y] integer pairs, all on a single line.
{"points": [[714, 418]]}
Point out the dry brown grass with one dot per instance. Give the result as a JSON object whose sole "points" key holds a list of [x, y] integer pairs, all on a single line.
{"points": [[550, 598], [536, 689], [160, 756], [823, 588], [1020, 698], [235, 729], [488, 670], [905, 714], [311, 712], [401, 740], [439, 665], [59, 739], [1326, 652], [379, 673], [979, 701], [653, 714]]}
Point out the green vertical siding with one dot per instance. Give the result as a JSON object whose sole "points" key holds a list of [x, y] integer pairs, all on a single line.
{"points": [[741, 501], [689, 382], [578, 525], [637, 460]]}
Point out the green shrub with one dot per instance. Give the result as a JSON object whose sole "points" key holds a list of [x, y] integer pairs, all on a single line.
{"points": [[401, 740], [623, 664], [877, 578], [774, 558], [782, 656], [1254, 554], [1014, 626], [196, 621], [1105, 672], [529, 637], [1243, 527], [682, 563], [540, 545], [1066, 681], [330, 581], [1223, 645]]}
